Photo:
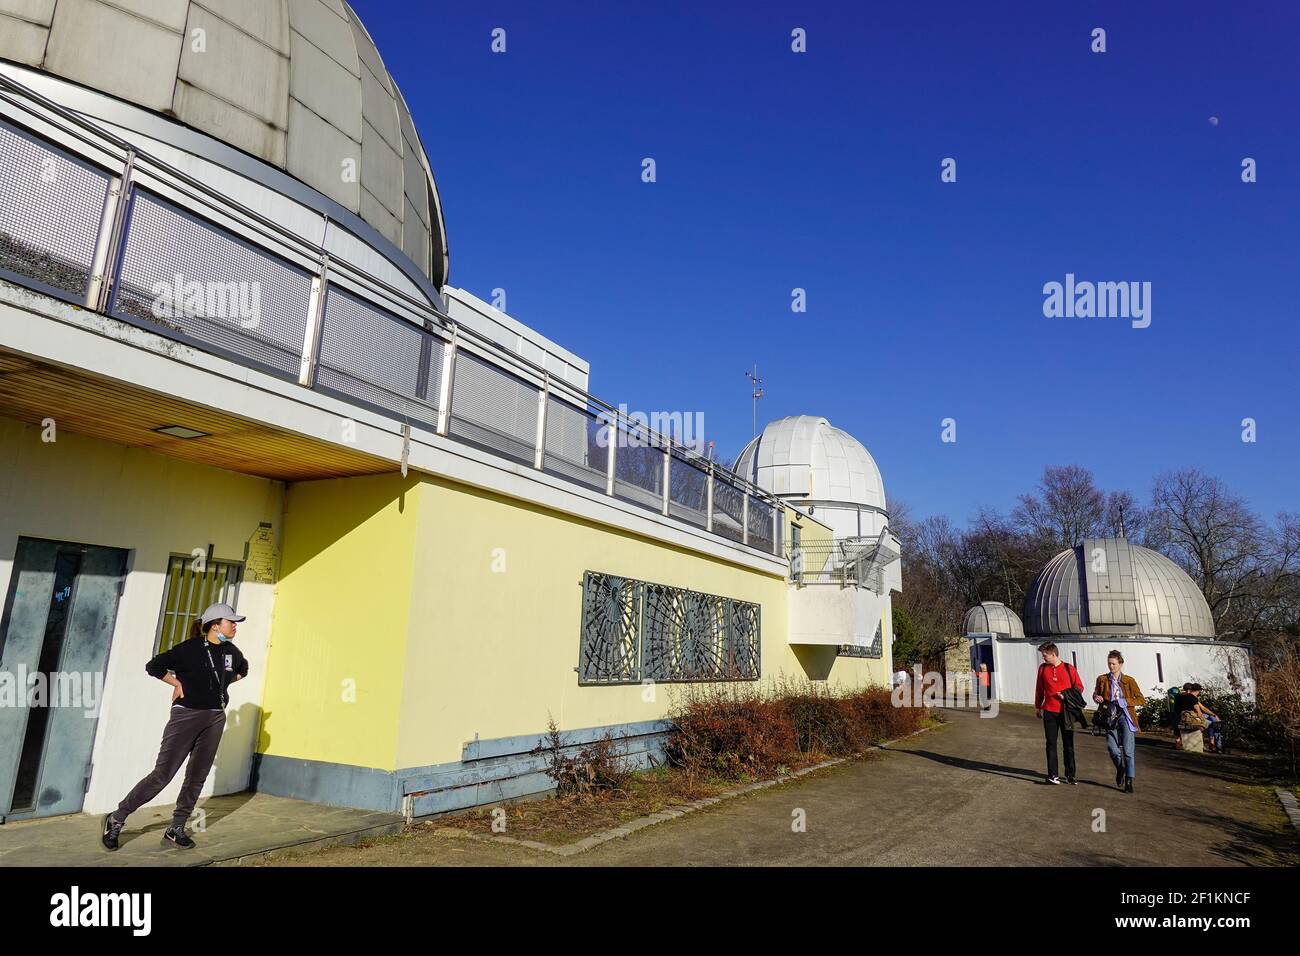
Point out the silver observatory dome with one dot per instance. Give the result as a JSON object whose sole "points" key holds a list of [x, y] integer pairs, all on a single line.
{"points": [[298, 84]]}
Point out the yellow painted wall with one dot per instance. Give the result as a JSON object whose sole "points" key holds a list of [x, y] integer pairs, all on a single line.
{"points": [[457, 612], [494, 640], [341, 618]]}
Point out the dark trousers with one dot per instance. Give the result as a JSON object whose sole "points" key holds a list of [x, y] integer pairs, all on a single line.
{"points": [[1052, 723], [189, 733]]}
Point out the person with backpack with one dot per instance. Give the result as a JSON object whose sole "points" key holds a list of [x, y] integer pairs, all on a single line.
{"points": [[200, 671], [1055, 677], [1121, 694]]}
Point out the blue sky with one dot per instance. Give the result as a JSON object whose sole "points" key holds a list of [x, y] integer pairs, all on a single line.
{"points": [[821, 171]]}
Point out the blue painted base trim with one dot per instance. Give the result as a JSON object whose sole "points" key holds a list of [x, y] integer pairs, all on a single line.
{"points": [[489, 771]]}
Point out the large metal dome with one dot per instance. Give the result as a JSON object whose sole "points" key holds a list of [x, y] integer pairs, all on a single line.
{"points": [[993, 617], [296, 83], [1108, 586], [804, 455]]}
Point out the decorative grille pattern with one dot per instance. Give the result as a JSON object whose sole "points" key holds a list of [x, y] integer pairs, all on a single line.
{"points": [[635, 630]]}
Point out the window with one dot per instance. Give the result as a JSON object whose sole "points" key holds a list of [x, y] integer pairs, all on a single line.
{"points": [[634, 630], [193, 584]]}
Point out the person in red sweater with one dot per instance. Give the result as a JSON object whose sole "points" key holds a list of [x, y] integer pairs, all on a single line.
{"points": [[1055, 676]]}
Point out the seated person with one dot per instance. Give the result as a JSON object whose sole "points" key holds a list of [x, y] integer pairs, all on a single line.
{"points": [[1183, 700], [1213, 733]]}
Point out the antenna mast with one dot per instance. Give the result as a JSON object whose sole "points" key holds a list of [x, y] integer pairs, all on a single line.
{"points": [[756, 394]]}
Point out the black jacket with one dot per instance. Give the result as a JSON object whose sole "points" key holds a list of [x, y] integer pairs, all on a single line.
{"points": [[205, 670], [1072, 707]]}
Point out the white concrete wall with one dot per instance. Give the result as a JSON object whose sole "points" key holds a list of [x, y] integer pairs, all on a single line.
{"points": [[830, 614], [95, 492], [1016, 665]]}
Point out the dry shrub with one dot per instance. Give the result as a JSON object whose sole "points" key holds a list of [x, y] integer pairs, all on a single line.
{"points": [[729, 732], [739, 733], [595, 768]]}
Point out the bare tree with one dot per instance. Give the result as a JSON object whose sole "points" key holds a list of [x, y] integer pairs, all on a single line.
{"points": [[1068, 507]]}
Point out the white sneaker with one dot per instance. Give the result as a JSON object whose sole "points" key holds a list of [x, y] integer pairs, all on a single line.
{"points": [[1056, 780]]}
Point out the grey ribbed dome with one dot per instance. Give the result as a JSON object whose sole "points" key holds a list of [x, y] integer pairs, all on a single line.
{"points": [[993, 617], [296, 83], [1138, 591]]}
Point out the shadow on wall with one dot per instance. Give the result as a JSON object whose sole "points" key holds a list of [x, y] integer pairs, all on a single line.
{"points": [[816, 659], [368, 495]]}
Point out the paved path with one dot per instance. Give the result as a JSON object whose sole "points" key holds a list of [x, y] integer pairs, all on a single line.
{"points": [[235, 827], [968, 793]]}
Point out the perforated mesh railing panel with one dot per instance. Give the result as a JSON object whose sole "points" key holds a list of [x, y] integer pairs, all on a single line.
{"points": [[190, 279], [577, 443], [51, 206], [380, 359], [728, 509], [688, 489], [493, 409], [639, 469], [761, 525]]}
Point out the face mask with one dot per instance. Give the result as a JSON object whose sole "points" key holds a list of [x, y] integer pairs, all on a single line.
{"points": [[222, 638]]}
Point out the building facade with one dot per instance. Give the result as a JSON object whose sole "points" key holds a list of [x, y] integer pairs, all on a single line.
{"points": [[232, 368], [1108, 594]]}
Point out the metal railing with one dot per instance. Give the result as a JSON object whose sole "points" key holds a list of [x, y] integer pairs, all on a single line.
{"points": [[90, 218], [846, 562]]}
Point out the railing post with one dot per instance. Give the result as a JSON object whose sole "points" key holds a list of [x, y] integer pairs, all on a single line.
{"points": [[611, 445], [543, 399], [708, 497], [668, 458], [315, 320], [448, 380], [112, 233], [778, 514], [744, 520]]}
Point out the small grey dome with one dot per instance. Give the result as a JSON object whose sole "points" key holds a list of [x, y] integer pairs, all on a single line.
{"points": [[1109, 586], [992, 617], [295, 83], [805, 455]]}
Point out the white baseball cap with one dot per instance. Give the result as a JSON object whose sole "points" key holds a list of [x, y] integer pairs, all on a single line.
{"points": [[220, 612]]}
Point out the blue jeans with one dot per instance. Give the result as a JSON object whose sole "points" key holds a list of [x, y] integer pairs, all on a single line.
{"points": [[1214, 731], [1122, 744]]}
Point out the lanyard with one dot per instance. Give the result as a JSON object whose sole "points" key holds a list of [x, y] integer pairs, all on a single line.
{"points": [[221, 691]]}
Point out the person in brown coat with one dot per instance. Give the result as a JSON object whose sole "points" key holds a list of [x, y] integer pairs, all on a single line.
{"points": [[1121, 738]]}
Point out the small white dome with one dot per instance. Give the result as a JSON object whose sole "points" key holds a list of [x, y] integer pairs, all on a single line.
{"points": [[805, 456], [992, 617]]}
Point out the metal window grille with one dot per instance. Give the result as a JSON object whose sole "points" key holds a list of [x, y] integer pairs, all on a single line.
{"points": [[381, 360], [635, 630], [51, 206], [192, 589], [190, 279]]}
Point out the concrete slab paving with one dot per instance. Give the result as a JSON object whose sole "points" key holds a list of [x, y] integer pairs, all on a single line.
{"points": [[236, 828]]}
